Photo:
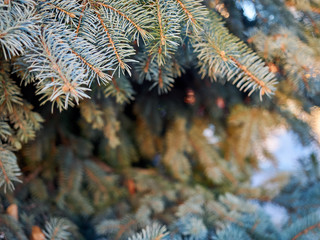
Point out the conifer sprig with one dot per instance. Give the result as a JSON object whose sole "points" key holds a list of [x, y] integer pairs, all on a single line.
{"points": [[58, 70], [59, 11], [94, 62], [165, 32], [194, 14], [19, 122], [18, 29], [135, 20], [221, 53], [155, 232], [57, 229], [113, 43], [9, 169]]}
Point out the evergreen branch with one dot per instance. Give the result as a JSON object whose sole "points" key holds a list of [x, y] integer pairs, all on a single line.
{"points": [[174, 156], [260, 83], [67, 86], [70, 14], [95, 63], [302, 226], [155, 232], [194, 13], [108, 226], [4, 173], [187, 12], [9, 170], [305, 231], [97, 70], [9, 94], [192, 227], [11, 228], [115, 85], [84, 3], [114, 43], [71, 172], [121, 89], [61, 11], [245, 126], [95, 180], [5, 130], [16, 112], [25, 122], [214, 170], [88, 25], [124, 228], [56, 229], [285, 46], [162, 37], [166, 31], [156, 65], [162, 77], [21, 68], [232, 232], [121, 63], [18, 30], [92, 114], [96, 177], [55, 65], [131, 12], [221, 53], [58, 70]]}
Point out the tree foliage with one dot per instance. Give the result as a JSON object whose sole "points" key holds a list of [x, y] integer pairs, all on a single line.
{"points": [[145, 119]]}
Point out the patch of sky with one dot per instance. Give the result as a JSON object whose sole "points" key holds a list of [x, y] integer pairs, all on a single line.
{"points": [[287, 150], [248, 8]]}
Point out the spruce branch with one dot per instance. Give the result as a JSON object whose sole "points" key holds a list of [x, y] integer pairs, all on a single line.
{"points": [[136, 19], [18, 29], [166, 30], [25, 123], [57, 229], [10, 94], [5, 131], [96, 38], [16, 112], [121, 89], [10, 229], [9, 170], [155, 232], [221, 53], [121, 63], [60, 11], [192, 227], [305, 231], [95, 177], [113, 43], [58, 71], [83, 8], [283, 45], [96, 64], [18, 124], [302, 226], [194, 14], [231, 232]]}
